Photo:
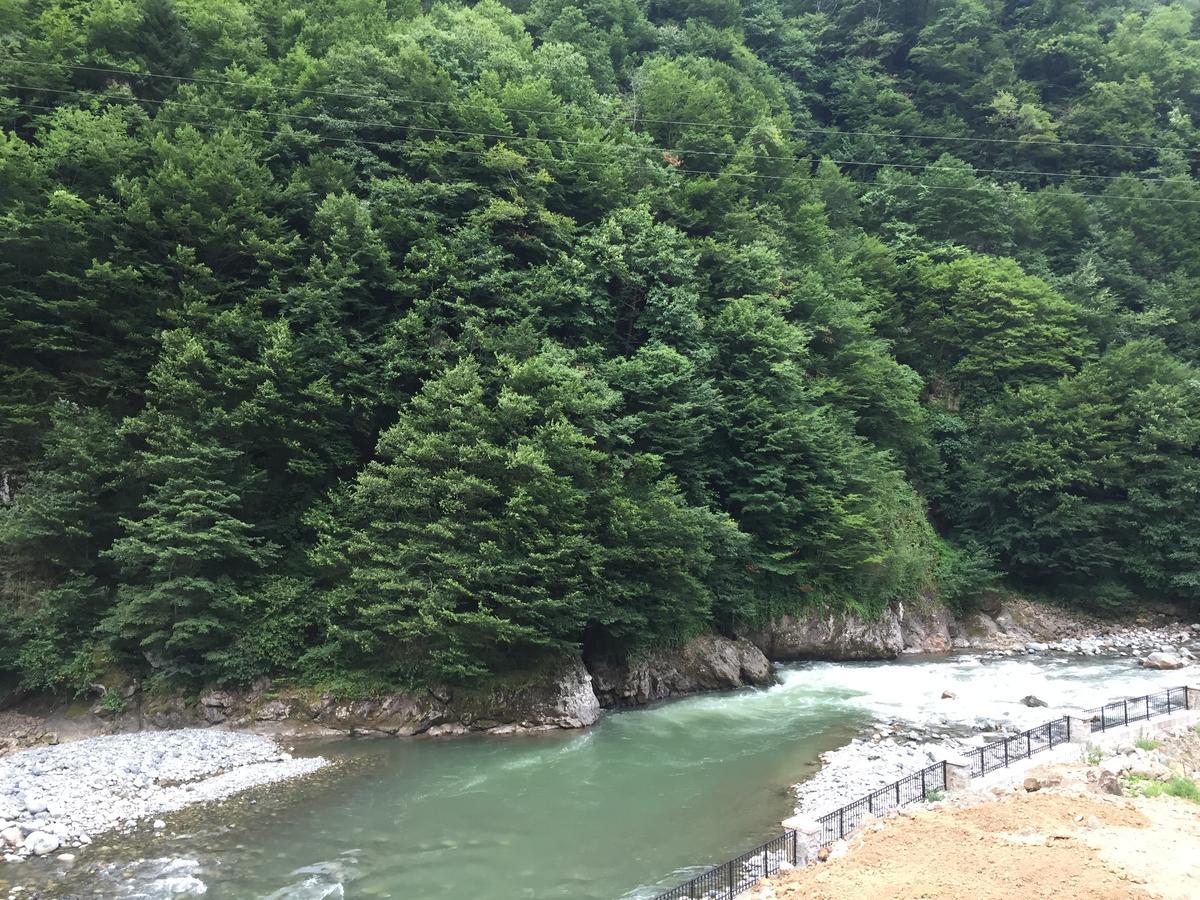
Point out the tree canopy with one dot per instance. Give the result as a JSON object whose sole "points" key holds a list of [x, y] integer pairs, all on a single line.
{"points": [[374, 343]]}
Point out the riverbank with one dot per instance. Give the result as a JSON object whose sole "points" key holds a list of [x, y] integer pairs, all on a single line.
{"points": [[54, 799], [572, 694], [917, 719], [652, 793], [1067, 830]]}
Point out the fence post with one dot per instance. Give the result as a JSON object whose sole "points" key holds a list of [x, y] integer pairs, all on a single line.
{"points": [[924, 789], [1191, 698], [958, 774], [1079, 729], [1028, 745], [897, 795], [842, 822], [806, 839], [1005, 753], [1125, 707], [729, 877]]}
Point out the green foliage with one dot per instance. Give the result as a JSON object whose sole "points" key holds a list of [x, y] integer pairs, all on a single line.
{"points": [[1091, 480], [1178, 786], [112, 702], [964, 573], [1144, 743], [389, 343]]}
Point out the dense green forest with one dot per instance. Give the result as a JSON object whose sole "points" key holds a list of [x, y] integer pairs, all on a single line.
{"points": [[370, 342]]}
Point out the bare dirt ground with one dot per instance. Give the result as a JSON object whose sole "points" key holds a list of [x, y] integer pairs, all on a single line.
{"points": [[1062, 841]]}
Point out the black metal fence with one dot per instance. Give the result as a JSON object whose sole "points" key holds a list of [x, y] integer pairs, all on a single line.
{"points": [[726, 881], [1137, 709], [914, 788], [1006, 751]]}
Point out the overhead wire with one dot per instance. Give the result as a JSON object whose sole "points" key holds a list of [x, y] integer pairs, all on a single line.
{"points": [[391, 98], [725, 154], [633, 166]]}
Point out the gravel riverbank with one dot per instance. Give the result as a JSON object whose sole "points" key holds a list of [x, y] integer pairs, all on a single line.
{"points": [[57, 798], [991, 694]]}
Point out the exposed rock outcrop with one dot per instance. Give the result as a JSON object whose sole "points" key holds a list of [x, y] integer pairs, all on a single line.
{"points": [[555, 698], [705, 663], [912, 628]]}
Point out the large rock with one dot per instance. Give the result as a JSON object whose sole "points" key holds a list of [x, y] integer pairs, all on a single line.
{"points": [[926, 627], [561, 698], [557, 697], [705, 663], [40, 843], [919, 627], [1162, 660], [831, 635]]}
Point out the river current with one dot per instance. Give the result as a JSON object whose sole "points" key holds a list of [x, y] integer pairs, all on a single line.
{"points": [[630, 806]]}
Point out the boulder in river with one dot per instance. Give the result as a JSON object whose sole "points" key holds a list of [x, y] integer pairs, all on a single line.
{"points": [[1161, 660], [1032, 701], [40, 843]]}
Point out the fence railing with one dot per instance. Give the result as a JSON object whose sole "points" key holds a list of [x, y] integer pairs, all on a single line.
{"points": [[1137, 709], [1006, 751], [914, 788], [726, 881]]}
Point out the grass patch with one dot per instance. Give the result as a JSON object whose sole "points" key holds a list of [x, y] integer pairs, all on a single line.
{"points": [[1093, 755], [1178, 786], [934, 795], [1145, 743]]}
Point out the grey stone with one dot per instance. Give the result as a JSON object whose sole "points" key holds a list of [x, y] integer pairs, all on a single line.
{"points": [[40, 843], [705, 663], [1161, 660], [1108, 783]]}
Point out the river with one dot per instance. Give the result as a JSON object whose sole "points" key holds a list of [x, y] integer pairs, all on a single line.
{"points": [[616, 811]]}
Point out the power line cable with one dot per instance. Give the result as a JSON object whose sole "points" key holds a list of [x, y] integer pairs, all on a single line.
{"points": [[542, 112], [657, 169], [803, 160]]}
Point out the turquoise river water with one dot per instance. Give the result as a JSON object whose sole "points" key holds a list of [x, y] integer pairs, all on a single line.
{"points": [[631, 805]]}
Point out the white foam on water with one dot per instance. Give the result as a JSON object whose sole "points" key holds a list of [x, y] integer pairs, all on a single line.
{"points": [[988, 689]]}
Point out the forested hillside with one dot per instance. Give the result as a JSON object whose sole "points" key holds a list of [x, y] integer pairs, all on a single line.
{"points": [[364, 342]]}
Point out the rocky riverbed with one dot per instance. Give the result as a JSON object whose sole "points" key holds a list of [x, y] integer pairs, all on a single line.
{"points": [[1175, 640], [54, 799], [989, 695]]}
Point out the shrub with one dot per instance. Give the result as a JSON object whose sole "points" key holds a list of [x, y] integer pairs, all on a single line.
{"points": [[1178, 786]]}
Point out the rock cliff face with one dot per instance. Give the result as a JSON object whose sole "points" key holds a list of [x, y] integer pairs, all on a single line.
{"points": [[921, 627], [561, 698], [927, 628], [705, 663]]}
